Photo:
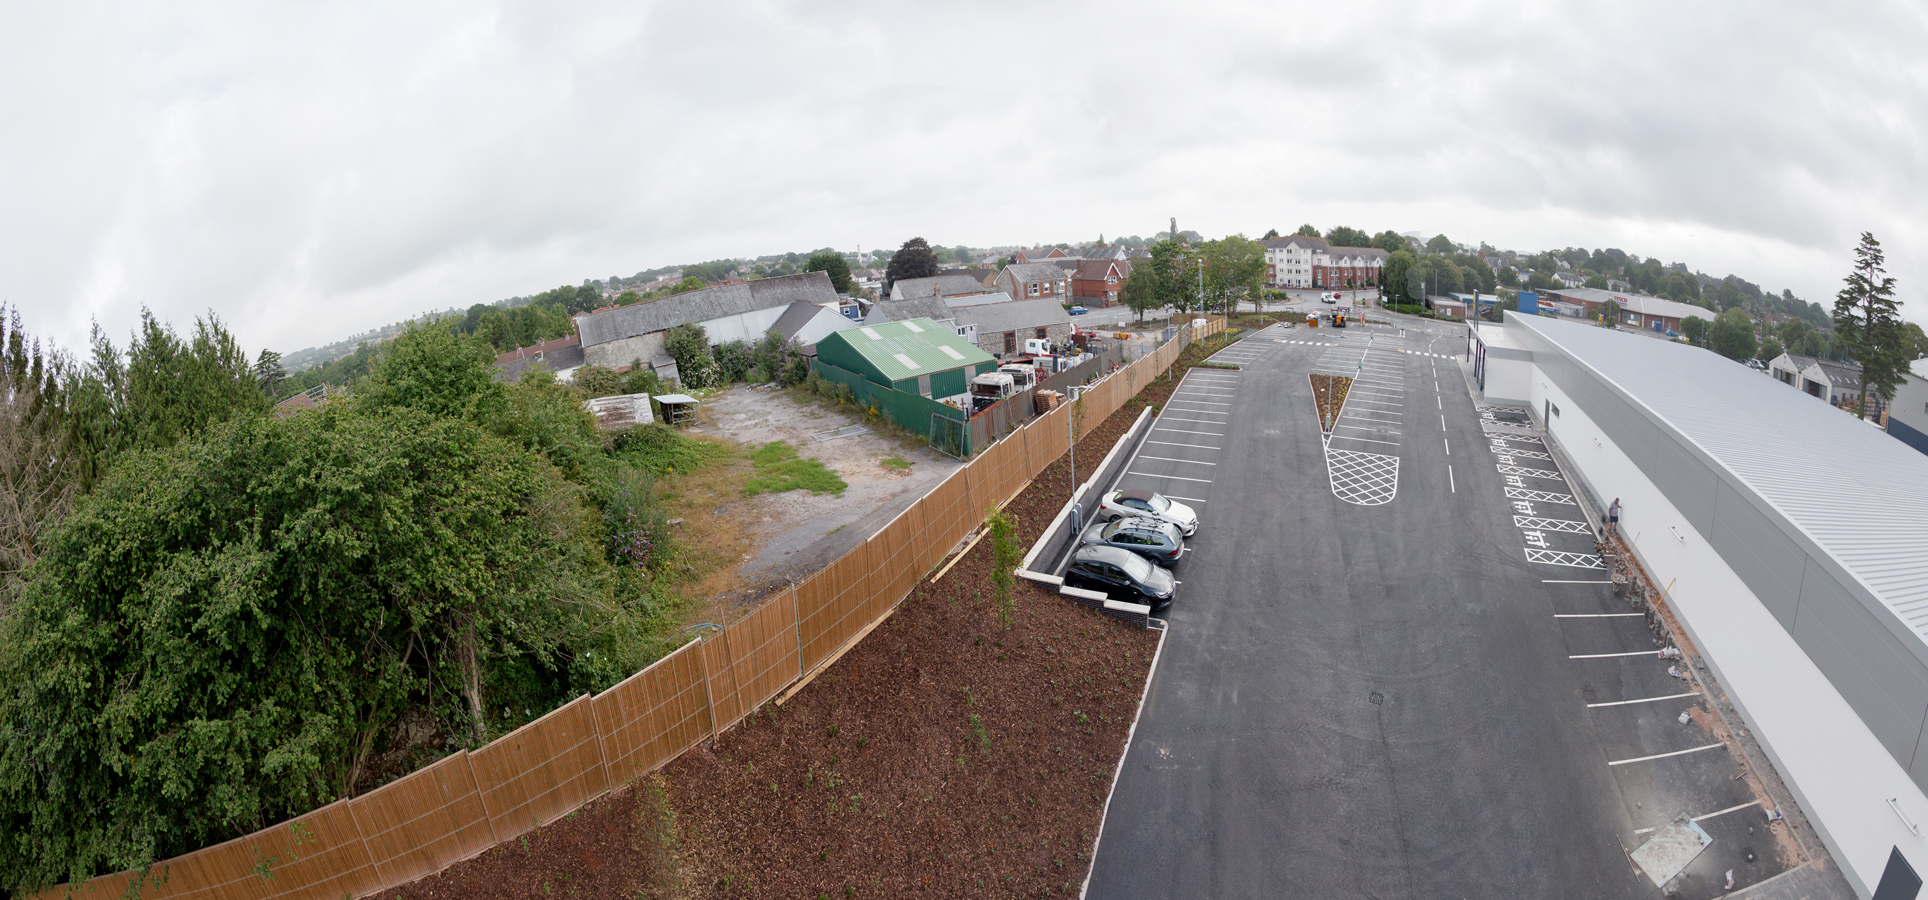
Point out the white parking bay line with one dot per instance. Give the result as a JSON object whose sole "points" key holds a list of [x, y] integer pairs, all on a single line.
{"points": [[1177, 477], [1201, 402], [1644, 700], [1596, 615], [1358, 428], [1622, 762], [1613, 655], [1347, 437], [1186, 499], [1555, 581], [1708, 816], [1189, 431], [1177, 444], [1170, 459]]}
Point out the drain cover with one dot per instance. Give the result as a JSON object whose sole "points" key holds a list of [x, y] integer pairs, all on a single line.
{"points": [[1377, 698]]}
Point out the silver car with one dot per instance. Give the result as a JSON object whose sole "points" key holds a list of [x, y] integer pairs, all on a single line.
{"points": [[1141, 502], [1154, 539]]}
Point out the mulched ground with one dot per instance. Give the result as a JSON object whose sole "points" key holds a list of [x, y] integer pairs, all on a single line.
{"points": [[1329, 393], [945, 754]]}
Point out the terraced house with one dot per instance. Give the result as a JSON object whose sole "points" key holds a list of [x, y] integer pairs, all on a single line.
{"points": [[1309, 262]]}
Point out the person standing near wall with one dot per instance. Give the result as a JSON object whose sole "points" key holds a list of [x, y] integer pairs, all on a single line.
{"points": [[1613, 517]]}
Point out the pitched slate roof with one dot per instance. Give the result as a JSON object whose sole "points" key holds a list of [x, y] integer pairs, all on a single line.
{"points": [[1097, 269], [703, 305], [1027, 273], [1362, 252], [1014, 315], [943, 284], [899, 310], [907, 349], [798, 315], [1316, 244]]}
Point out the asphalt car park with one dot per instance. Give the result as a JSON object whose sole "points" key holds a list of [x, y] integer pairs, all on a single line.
{"points": [[1395, 667]]}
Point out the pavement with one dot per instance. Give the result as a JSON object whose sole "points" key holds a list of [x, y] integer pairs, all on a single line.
{"points": [[1395, 667]]}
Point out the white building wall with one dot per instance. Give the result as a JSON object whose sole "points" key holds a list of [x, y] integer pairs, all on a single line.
{"points": [[748, 327], [1838, 770], [821, 324]]}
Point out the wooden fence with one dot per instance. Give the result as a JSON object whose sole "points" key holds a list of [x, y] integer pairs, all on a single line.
{"points": [[468, 802]]}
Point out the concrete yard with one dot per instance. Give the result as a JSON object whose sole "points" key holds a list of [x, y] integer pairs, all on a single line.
{"points": [[1395, 667], [798, 532]]}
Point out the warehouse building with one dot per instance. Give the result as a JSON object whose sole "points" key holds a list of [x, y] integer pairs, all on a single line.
{"points": [[1794, 539]]}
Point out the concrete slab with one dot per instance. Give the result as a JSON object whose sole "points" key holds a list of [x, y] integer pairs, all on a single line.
{"points": [[1670, 850]]}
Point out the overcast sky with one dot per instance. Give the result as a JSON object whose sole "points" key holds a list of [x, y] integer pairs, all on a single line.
{"points": [[309, 171]]}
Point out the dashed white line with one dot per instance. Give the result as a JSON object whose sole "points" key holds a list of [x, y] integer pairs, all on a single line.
{"points": [[1449, 480], [1622, 762], [1449, 447], [1644, 700]]}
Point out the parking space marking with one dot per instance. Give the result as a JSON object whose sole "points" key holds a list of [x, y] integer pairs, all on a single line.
{"points": [[1653, 653], [1362, 428], [1540, 496], [1347, 437], [1170, 459], [1200, 421], [1566, 525], [1562, 558], [1361, 413], [1557, 581], [1202, 402], [1178, 477], [1186, 499], [1380, 403], [1705, 817], [1622, 762], [1189, 431], [1598, 615], [1530, 473], [1648, 700], [1177, 444]]}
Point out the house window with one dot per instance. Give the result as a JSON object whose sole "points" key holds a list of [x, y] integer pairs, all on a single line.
{"points": [[1010, 342], [1033, 289], [1040, 334], [1111, 279]]}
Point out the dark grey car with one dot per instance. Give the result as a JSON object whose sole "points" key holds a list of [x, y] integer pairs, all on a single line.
{"points": [[1155, 539], [1121, 576]]}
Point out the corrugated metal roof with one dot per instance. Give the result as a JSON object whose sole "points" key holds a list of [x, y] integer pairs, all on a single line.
{"points": [[907, 349], [704, 305], [1860, 495]]}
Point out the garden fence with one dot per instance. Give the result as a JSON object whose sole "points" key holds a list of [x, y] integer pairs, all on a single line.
{"points": [[469, 801]]}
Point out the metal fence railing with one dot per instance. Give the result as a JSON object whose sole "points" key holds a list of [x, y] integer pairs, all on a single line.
{"points": [[466, 802]]}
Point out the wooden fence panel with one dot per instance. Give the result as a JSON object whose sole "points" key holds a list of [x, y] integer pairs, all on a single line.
{"points": [[899, 565], [946, 512], [319, 856], [764, 648], [722, 679], [838, 597], [984, 480], [653, 715], [424, 822], [535, 774]]}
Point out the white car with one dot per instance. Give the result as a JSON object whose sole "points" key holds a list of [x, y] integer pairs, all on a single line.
{"points": [[1141, 502], [1328, 298]]}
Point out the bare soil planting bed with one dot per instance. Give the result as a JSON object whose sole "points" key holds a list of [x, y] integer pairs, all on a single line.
{"points": [[1329, 393], [945, 755]]}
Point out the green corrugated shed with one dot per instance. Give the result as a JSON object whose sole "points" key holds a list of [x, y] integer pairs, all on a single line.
{"points": [[901, 354]]}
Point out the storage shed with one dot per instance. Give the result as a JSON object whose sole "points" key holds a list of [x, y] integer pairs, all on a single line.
{"points": [[914, 356]]}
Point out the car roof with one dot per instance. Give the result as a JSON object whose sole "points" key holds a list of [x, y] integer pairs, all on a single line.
{"points": [[1103, 553], [1144, 523], [1135, 494]]}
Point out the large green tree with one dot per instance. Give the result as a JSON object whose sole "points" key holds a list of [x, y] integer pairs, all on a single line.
{"points": [[1695, 329], [1234, 271], [831, 263], [1396, 276], [1867, 321], [1733, 334], [1307, 230], [913, 260], [1344, 236], [1390, 241], [1441, 244]]}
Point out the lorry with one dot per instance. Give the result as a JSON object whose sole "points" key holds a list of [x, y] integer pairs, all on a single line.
{"points": [[989, 388]]}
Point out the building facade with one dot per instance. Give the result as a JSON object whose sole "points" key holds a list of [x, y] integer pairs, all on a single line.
{"points": [[1308, 262], [1027, 281], [1908, 414], [1098, 283]]}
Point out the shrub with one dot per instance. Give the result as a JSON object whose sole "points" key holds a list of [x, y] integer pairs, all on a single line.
{"points": [[734, 360], [598, 381]]}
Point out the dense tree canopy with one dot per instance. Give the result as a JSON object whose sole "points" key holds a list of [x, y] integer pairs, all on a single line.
{"points": [[831, 263], [1732, 334], [1867, 320], [1344, 236], [913, 260]]}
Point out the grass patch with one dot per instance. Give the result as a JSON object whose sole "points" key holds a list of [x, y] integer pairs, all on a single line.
{"points": [[894, 463], [662, 449], [779, 469]]}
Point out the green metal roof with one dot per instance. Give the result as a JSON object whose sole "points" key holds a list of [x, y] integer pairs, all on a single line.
{"points": [[904, 350]]}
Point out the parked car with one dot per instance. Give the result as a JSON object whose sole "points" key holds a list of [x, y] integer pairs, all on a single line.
{"points": [[1141, 502], [1078, 310], [1154, 539], [1121, 575]]}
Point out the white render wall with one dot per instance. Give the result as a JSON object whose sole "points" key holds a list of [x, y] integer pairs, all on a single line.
{"points": [[1838, 770]]}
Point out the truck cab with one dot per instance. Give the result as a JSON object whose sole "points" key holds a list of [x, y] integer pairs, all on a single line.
{"points": [[989, 388]]}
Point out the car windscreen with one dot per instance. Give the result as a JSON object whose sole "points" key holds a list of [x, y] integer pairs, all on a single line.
{"points": [[1159, 503], [1137, 568]]}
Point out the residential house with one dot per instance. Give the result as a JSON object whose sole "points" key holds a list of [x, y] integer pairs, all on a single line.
{"points": [[1098, 282], [1908, 414], [1039, 254], [624, 336], [1025, 281], [1837, 382], [1570, 279], [1636, 310]]}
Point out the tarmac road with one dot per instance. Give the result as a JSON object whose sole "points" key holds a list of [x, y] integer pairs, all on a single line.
{"points": [[1378, 700]]}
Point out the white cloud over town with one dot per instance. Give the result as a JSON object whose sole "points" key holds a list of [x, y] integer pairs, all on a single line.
{"points": [[311, 171]]}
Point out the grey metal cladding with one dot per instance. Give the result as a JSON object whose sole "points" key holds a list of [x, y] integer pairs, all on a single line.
{"points": [[1687, 483], [1919, 770], [1765, 558], [1629, 429], [1864, 661]]}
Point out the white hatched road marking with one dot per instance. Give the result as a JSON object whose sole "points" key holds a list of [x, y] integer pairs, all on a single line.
{"points": [[1347, 437], [1528, 454], [1563, 558], [1539, 496], [1530, 473], [1565, 525], [1363, 479]]}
